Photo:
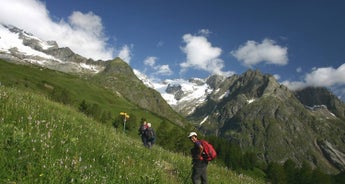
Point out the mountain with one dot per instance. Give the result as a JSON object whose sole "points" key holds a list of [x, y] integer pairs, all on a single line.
{"points": [[20, 47], [263, 116]]}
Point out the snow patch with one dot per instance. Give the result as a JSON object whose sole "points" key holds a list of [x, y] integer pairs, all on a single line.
{"points": [[90, 67], [203, 121], [250, 101], [224, 95]]}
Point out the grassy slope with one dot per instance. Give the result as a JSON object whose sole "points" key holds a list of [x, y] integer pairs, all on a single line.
{"points": [[41, 80], [46, 142]]}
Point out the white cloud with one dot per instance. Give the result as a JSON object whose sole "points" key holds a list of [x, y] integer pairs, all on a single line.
{"points": [[88, 22], [320, 77], [295, 85], [201, 55], [299, 69], [204, 32], [276, 76], [158, 69], [253, 53], [125, 54], [328, 76], [163, 70], [83, 32], [150, 61]]}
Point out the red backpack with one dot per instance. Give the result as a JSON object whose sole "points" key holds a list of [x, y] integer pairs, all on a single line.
{"points": [[209, 153]]}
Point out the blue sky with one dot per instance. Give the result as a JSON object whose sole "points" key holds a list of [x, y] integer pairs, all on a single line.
{"points": [[301, 42]]}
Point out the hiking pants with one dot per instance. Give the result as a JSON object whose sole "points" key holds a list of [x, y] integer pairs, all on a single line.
{"points": [[144, 139], [199, 173]]}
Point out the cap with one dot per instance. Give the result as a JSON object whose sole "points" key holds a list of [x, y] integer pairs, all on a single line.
{"points": [[192, 134]]}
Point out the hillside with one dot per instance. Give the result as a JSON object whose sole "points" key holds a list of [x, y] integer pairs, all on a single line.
{"points": [[119, 77], [47, 142], [102, 104]]}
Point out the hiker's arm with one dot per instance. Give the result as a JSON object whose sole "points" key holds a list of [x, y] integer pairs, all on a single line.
{"points": [[201, 149]]}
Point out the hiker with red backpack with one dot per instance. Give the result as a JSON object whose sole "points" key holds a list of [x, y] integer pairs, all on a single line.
{"points": [[202, 153]]}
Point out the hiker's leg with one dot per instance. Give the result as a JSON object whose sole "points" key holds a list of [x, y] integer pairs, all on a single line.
{"points": [[204, 175], [144, 141], [196, 173]]}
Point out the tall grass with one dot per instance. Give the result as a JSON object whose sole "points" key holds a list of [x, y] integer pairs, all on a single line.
{"points": [[46, 142]]}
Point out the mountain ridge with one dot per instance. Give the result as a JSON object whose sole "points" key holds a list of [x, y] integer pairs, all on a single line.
{"points": [[27, 49], [261, 114]]}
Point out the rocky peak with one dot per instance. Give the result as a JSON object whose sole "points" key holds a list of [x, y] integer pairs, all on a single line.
{"points": [[316, 96], [176, 90], [173, 88], [311, 96], [214, 81], [117, 66], [197, 81], [254, 84]]}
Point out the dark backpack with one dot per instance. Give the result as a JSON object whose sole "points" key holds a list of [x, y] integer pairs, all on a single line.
{"points": [[150, 133], [209, 153], [142, 129]]}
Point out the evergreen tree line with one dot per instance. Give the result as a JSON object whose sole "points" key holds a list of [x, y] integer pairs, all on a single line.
{"points": [[231, 155], [289, 173]]}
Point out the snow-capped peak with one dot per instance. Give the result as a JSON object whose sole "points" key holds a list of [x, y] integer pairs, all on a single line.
{"points": [[179, 93], [143, 78], [16, 45], [11, 41]]}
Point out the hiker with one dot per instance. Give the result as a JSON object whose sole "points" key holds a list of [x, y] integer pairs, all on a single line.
{"points": [[150, 135], [142, 130], [199, 169]]}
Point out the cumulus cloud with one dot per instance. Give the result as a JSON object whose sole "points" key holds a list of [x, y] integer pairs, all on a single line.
{"points": [[157, 69], [268, 52], [201, 55], [150, 61], [82, 32], [163, 70], [125, 54], [204, 32], [327, 76], [276, 76], [320, 77]]}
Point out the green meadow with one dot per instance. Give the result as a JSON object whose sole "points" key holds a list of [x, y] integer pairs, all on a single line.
{"points": [[47, 142]]}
